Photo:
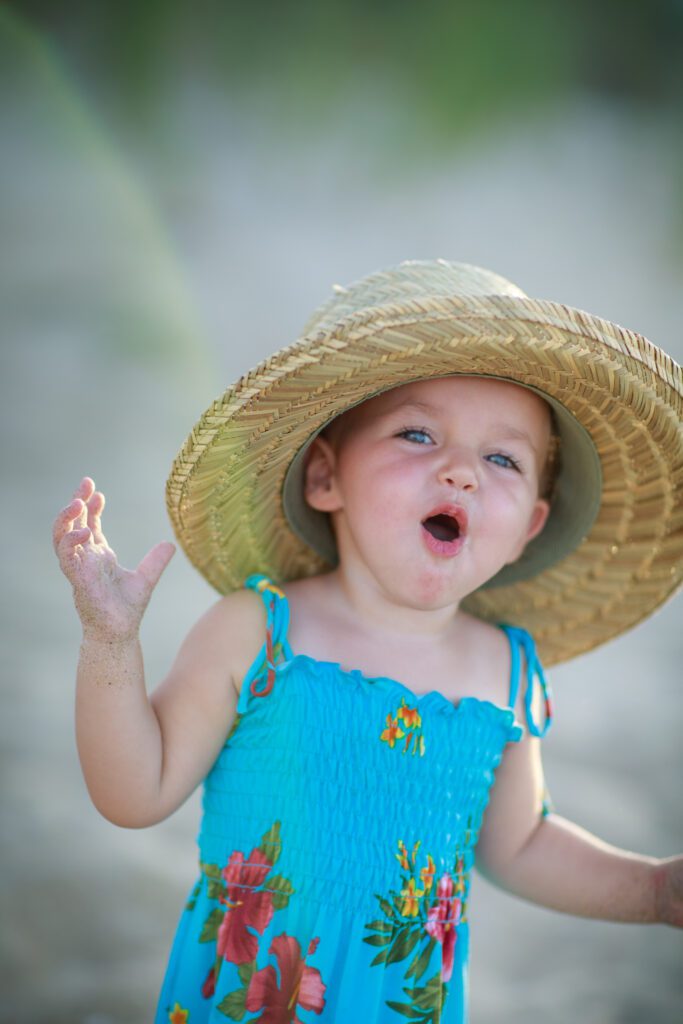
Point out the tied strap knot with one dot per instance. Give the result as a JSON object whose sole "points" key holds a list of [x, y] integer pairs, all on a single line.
{"points": [[520, 639], [277, 616], [270, 663]]}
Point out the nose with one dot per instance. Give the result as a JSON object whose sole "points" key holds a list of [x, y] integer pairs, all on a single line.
{"points": [[458, 469]]}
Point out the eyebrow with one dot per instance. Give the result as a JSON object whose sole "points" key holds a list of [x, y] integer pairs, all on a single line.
{"points": [[412, 403], [504, 430]]}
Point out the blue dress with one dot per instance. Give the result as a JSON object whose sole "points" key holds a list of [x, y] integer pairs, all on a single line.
{"points": [[336, 845]]}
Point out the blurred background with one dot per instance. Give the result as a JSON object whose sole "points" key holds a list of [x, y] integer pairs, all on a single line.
{"points": [[180, 184]]}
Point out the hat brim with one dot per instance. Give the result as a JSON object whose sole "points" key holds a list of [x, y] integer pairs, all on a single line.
{"points": [[612, 550]]}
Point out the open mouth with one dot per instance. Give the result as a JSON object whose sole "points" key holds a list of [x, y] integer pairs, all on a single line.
{"points": [[442, 526], [445, 529]]}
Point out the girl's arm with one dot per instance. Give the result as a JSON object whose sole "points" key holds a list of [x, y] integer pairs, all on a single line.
{"points": [[142, 757], [555, 863]]}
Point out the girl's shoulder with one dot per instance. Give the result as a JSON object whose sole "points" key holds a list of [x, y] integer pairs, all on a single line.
{"points": [[487, 651], [238, 623], [514, 668]]}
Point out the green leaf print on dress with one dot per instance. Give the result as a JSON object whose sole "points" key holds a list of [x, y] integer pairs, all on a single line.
{"points": [[414, 919]]}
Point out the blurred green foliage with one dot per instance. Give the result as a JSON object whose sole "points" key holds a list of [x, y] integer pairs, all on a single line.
{"points": [[451, 65]]}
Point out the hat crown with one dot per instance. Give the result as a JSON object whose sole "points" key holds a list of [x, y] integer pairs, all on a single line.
{"points": [[411, 280]]}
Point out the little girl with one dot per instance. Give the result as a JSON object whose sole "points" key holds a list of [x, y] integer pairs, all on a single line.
{"points": [[441, 477]]}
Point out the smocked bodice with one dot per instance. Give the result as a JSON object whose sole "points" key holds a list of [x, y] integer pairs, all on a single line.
{"points": [[338, 834], [336, 755]]}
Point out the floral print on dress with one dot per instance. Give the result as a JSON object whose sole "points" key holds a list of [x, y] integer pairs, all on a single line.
{"points": [[178, 1016], [415, 918], [405, 723], [248, 896], [300, 985], [442, 920]]}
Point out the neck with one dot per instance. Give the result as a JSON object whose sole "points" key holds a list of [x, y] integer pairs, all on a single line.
{"points": [[395, 616]]}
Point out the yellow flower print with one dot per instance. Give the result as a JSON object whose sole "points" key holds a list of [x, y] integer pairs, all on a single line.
{"points": [[392, 732], [178, 1015], [411, 720], [410, 716], [411, 899], [417, 915], [427, 874]]}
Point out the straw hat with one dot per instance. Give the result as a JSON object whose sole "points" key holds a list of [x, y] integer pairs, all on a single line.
{"points": [[612, 550]]}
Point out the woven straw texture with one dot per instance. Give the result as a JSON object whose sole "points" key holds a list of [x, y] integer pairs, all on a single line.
{"points": [[224, 491]]}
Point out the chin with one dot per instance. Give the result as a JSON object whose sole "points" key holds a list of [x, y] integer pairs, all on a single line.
{"points": [[432, 590]]}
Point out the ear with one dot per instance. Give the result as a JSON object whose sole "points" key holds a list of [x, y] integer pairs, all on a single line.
{"points": [[537, 520], [320, 490]]}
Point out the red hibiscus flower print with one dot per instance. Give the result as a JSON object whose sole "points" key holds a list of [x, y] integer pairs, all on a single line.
{"points": [[442, 921], [209, 986], [299, 985], [246, 906]]}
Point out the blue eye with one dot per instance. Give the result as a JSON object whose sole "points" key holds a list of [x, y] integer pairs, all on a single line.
{"points": [[506, 461], [410, 432]]}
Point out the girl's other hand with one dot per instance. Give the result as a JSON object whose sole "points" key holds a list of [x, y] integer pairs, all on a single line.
{"points": [[109, 599]]}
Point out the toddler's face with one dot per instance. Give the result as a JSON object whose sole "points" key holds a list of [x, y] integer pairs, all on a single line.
{"points": [[435, 482]]}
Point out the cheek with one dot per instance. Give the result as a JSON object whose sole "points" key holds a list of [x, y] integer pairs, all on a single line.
{"points": [[386, 488], [375, 514], [379, 500], [510, 512], [396, 492], [504, 500]]}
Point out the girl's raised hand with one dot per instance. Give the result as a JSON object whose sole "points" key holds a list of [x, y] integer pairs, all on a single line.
{"points": [[109, 599]]}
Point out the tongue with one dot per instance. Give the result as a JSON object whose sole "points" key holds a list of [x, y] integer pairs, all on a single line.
{"points": [[442, 527]]}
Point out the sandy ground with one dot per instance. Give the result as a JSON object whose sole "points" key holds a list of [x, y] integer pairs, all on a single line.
{"points": [[106, 366]]}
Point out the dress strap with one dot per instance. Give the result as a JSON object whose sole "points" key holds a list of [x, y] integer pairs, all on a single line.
{"points": [[520, 640], [277, 627]]}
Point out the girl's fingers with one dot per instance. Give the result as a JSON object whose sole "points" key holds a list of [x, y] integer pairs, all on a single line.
{"points": [[63, 522], [85, 489], [66, 551], [76, 537], [155, 561], [81, 519], [94, 507], [83, 494], [75, 515]]}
